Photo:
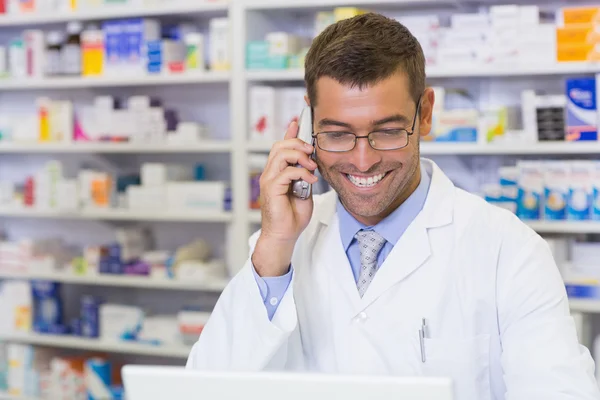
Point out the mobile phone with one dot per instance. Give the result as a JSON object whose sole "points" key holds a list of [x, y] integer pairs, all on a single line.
{"points": [[300, 188]]}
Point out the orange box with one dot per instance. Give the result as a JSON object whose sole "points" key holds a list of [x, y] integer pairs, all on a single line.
{"points": [[581, 15], [578, 52], [578, 34]]}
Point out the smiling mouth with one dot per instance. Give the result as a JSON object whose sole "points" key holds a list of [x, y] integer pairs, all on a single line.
{"points": [[366, 181]]}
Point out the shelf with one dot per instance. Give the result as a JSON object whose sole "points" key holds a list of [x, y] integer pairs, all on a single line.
{"points": [[118, 215], [114, 81], [115, 11], [542, 148], [565, 226], [6, 396], [121, 347], [120, 281], [584, 306], [209, 146], [320, 4], [453, 72], [429, 148]]}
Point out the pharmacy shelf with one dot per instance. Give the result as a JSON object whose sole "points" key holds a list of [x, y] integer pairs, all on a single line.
{"points": [[479, 71], [118, 215], [541, 148], [325, 4], [6, 396], [172, 7], [208, 146], [120, 281], [121, 347], [572, 227], [585, 306], [115, 81]]}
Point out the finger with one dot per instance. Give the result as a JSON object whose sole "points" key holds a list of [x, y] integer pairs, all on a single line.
{"points": [[293, 143], [284, 159], [292, 131]]}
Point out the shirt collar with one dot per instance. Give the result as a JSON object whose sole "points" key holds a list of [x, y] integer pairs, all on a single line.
{"points": [[393, 226]]}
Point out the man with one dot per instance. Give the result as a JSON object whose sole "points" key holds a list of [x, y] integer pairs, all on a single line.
{"points": [[344, 282]]}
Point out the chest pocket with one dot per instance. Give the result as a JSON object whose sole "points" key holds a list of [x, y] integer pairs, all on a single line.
{"points": [[465, 360]]}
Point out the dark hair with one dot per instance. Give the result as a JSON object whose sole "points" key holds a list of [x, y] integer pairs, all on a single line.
{"points": [[364, 50]]}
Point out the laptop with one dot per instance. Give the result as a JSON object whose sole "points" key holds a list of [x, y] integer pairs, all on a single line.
{"points": [[178, 383]]}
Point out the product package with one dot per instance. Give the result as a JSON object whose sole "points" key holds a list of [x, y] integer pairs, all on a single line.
{"points": [[531, 188], [582, 112], [579, 201], [556, 189]]}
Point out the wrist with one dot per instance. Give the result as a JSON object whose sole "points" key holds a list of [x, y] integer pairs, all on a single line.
{"points": [[272, 258]]}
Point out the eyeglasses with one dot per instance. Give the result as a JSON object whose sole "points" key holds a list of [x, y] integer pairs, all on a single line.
{"points": [[382, 139]]}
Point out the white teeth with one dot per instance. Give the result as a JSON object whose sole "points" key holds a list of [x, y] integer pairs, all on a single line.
{"points": [[361, 181]]}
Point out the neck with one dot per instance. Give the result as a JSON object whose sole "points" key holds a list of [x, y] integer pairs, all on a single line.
{"points": [[375, 219]]}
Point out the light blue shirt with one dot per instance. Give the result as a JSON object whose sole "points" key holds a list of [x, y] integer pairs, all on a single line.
{"points": [[390, 228]]}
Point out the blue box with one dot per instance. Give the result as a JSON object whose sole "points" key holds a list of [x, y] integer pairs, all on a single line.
{"points": [[113, 36], [582, 110]]}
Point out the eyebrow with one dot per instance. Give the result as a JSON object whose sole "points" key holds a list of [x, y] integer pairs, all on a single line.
{"points": [[392, 118]]}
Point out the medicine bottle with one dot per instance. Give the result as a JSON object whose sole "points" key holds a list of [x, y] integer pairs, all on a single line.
{"points": [[54, 42], [71, 54]]}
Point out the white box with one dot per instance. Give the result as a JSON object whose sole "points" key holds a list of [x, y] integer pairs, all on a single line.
{"points": [[420, 22], [197, 196], [35, 50], [263, 114], [152, 198], [220, 44], [529, 15], [291, 103], [462, 21], [68, 196], [158, 174], [283, 43]]}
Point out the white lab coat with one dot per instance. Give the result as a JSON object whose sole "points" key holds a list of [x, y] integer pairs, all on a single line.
{"points": [[496, 308]]}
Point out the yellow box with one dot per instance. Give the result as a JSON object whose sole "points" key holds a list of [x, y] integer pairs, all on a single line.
{"points": [[578, 52], [578, 34], [581, 15], [341, 13]]}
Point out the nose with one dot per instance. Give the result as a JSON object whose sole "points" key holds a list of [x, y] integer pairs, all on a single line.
{"points": [[363, 156]]}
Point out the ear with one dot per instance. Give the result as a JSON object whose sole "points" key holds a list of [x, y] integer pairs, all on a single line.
{"points": [[426, 114], [307, 100]]}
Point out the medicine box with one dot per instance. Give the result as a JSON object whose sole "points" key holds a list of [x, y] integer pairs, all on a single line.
{"points": [[578, 34], [283, 43], [196, 196], [257, 54], [580, 15], [341, 13], [455, 126], [579, 201], [220, 44], [581, 113], [578, 52], [291, 102], [530, 189], [263, 114], [556, 189], [596, 191]]}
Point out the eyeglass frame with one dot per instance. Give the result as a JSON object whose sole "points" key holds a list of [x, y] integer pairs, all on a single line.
{"points": [[409, 134]]}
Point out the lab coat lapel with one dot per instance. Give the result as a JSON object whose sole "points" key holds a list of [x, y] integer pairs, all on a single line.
{"points": [[330, 254], [414, 248]]}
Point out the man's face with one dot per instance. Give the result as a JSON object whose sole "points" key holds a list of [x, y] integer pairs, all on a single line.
{"points": [[371, 183]]}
